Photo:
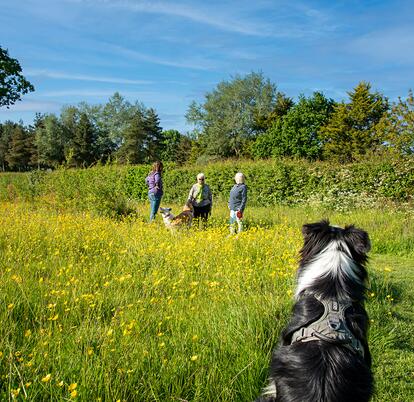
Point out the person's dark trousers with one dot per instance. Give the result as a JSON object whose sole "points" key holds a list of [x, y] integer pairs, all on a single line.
{"points": [[202, 213], [155, 202]]}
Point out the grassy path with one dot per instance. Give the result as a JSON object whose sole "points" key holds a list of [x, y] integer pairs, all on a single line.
{"points": [[391, 336]]}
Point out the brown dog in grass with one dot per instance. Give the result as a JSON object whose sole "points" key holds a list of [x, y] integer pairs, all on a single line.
{"points": [[182, 220]]}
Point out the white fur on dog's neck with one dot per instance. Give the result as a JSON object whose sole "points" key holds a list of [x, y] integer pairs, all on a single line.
{"points": [[334, 260], [167, 218]]}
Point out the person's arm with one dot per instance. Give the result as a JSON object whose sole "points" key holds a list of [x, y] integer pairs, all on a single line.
{"points": [[244, 199], [191, 194], [157, 180], [210, 197]]}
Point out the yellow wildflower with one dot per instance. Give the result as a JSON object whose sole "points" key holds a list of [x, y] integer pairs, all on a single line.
{"points": [[72, 387], [47, 378], [15, 392]]}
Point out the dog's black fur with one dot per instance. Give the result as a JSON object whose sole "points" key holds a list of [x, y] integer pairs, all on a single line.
{"points": [[317, 370]]}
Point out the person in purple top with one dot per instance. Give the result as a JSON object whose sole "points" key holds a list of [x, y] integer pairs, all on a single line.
{"points": [[154, 183]]}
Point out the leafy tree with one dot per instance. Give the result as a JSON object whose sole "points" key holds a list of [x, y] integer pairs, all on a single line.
{"points": [[282, 105], [69, 119], [352, 131], [297, 132], [114, 117], [18, 156], [229, 115], [51, 140], [105, 144], [176, 147], [110, 120], [83, 143], [132, 150], [12, 83], [265, 144], [396, 127]]}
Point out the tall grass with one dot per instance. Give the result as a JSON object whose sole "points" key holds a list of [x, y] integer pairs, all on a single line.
{"points": [[100, 309]]}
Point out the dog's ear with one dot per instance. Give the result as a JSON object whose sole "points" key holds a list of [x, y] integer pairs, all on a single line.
{"points": [[311, 229], [358, 238]]}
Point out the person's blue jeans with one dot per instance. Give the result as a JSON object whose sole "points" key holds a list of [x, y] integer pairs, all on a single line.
{"points": [[155, 201]]}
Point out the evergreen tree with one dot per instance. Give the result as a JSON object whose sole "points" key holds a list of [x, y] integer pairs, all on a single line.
{"points": [[133, 149], [6, 132], [351, 131], [83, 144], [18, 156], [3, 147], [153, 142]]}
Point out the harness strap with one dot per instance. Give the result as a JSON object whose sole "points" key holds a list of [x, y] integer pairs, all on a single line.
{"points": [[330, 327]]}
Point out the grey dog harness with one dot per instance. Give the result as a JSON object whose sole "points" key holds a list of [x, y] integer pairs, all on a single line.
{"points": [[331, 327]]}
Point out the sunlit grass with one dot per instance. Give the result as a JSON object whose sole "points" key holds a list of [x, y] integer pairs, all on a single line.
{"points": [[101, 309]]}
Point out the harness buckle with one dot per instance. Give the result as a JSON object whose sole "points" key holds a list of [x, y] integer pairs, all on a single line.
{"points": [[334, 324]]}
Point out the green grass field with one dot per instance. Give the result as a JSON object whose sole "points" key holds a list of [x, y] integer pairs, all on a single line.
{"points": [[94, 309]]}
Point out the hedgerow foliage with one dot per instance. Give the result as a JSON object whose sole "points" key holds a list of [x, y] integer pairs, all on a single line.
{"points": [[110, 190]]}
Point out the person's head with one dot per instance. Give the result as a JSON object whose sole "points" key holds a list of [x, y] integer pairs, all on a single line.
{"points": [[157, 166], [239, 178], [201, 178]]}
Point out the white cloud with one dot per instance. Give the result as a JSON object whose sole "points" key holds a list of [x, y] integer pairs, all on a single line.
{"points": [[194, 63], [219, 20], [284, 16], [390, 45], [32, 106], [81, 77], [87, 94]]}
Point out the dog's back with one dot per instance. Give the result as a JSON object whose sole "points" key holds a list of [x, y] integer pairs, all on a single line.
{"points": [[321, 370], [185, 218], [313, 363], [182, 220]]}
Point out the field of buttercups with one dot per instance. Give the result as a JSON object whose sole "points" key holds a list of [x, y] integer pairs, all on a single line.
{"points": [[94, 309]]}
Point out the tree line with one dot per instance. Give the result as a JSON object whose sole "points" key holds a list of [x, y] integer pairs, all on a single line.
{"points": [[243, 117], [84, 134], [249, 117]]}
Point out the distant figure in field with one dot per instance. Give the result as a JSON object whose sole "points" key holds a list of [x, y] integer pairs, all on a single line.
{"points": [[155, 191], [237, 203], [201, 198]]}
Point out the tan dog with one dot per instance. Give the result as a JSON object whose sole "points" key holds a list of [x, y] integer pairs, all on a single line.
{"points": [[182, 220]]}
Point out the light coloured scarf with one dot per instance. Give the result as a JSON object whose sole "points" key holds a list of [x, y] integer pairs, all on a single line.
{"points": [[199, 196]]}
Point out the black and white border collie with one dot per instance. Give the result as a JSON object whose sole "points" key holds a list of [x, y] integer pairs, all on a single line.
{"points": [[323, 354]]}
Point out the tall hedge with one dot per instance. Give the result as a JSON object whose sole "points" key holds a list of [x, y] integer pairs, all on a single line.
{"points": [[108, 189]]}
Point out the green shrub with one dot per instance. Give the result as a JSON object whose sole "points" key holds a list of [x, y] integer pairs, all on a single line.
{"points": [[111, 189]]}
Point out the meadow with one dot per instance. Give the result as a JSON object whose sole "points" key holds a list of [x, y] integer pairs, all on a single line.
{"points": [[101, 309]]}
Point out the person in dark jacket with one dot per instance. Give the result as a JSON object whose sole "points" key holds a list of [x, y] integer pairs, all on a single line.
{"points": [[237, 203], [155, 191]]}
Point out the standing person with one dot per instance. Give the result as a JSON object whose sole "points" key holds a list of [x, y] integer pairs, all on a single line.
{"points": [[237, 203], [201, 198], [154, 183]]}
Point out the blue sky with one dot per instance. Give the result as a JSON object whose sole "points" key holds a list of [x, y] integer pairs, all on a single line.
{"points": [[169, 53]]}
